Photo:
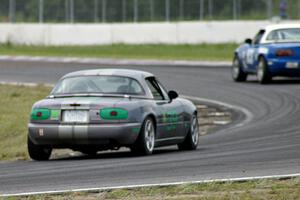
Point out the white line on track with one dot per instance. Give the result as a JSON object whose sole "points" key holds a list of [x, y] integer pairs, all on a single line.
{"points": [[252, 178]]}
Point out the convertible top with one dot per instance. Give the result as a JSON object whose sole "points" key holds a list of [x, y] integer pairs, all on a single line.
{"points": [[281, 26], [136, 74]]}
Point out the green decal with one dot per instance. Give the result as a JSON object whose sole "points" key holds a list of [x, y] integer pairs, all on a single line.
{"points": [[164, 117], [114, 113], [170, 117], [135, 130], [171, 127], [186, 125], [40, 114], [55, 114]]}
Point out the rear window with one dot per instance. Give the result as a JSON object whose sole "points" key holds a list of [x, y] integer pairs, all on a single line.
{"points": [[98, 84], [285, 35]]}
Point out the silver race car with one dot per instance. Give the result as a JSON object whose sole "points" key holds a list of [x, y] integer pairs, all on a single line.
{"points": [[94, 110]]}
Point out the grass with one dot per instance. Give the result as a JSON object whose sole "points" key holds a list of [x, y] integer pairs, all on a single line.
{"points": [[164, 52], [16, 103], [249, 190]]}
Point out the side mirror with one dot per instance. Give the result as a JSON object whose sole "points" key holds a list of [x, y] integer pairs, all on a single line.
{"points": [[248, 41], [172, 95]]}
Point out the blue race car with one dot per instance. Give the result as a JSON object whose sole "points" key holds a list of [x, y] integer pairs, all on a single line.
{"points": [[274, 51]]}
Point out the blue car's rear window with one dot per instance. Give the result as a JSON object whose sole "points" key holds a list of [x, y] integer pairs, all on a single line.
{"points": [[285, 35]]}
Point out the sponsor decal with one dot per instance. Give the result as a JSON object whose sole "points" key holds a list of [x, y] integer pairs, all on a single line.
{"points": [[135, 130], [171, 127], [263, 50], [171, 117]]}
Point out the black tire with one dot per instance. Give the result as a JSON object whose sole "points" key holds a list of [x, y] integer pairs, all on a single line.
{"points": [[143, 146], [263, 74], [238, 75], [38, 152], [90, 152], [192, 138]]}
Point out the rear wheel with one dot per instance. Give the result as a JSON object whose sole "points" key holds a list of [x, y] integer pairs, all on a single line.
{"points": [[237, 72], [90, 152], [38, 152], [146, 140], [263, 74], [192, 138]]}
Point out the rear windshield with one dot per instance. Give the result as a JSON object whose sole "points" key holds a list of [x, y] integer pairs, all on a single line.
{"points": [[98, 84], [285, 35]]}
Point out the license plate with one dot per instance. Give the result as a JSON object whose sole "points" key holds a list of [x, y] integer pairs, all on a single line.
{"points": [[292, 65], [75, 116]]}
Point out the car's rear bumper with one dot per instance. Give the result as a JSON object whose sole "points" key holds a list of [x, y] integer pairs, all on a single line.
{"points": [[64, 135], [280, 67]]}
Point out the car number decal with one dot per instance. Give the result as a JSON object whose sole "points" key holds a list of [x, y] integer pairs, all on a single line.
{"points": [[250, 56]]}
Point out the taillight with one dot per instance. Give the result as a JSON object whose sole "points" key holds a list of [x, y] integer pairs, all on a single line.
{"points": [[114, 113], [284, 52], [40, 114]]}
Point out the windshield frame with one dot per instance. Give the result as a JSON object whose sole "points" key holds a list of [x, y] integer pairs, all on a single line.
{"points": [[97, 93]]}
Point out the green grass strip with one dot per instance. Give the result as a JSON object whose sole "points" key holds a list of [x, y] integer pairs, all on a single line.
{"points": [[271, 189], [213, 52], [15, 109]]}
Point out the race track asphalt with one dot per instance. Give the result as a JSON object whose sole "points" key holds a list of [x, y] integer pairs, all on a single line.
{"points": [[268, 145]]}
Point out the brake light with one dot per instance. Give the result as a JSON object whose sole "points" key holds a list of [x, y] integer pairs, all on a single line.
{"points": [[284, 52], [39, 114], [113, 113]]}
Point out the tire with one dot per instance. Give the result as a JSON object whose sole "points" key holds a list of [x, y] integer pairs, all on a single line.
{"points": [[146, 140], [238, 75], [263, 74], [38, 152], [90, 152], [192, 138]]}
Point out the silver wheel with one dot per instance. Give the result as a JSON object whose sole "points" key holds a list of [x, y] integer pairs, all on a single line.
{"points": [[195, 130], [145, 143], [237, 73], [192, 138], [260, 71], [149, 135], [235, 69], [263, 74]]}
